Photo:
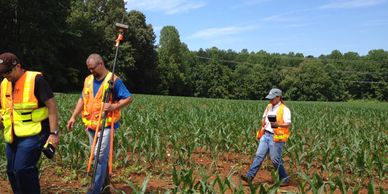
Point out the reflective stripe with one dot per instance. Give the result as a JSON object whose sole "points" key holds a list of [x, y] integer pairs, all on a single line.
{"points": [[93, 104], [19, 107], [27, 87], [26, 105], [3, 89], [280, 134], [261, 132]]}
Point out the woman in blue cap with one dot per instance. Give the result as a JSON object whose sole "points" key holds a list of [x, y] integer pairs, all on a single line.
{"points": [[272, 136]]}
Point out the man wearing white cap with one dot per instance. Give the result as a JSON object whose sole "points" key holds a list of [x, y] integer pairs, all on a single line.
{"points": [[273, 135]]}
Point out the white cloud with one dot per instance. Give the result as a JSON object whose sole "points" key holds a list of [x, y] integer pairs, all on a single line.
{"points": [[286, 16], [167, 6], [348, 4], [250, 3], [377, 23], [281, 18], [298, 25], [220, 32]]}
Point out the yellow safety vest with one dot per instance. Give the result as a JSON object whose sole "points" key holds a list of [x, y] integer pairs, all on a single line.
{"points": [[281, 134], [19, 108], [93, 104]]}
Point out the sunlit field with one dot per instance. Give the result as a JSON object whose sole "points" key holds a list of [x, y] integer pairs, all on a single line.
{"points": [[196, 145]]}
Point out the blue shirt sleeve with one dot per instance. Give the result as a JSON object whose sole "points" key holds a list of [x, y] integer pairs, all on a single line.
{"points": [[121, 92]]}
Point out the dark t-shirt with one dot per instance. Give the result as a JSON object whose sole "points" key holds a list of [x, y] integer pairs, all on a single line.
{"points": [[42, 90], [43, 93]]}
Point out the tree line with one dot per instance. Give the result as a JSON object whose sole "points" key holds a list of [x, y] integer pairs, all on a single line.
{"points": [[56, 37]]}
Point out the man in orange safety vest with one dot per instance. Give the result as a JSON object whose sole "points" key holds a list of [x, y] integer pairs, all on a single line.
{"points": [[91, 105]]}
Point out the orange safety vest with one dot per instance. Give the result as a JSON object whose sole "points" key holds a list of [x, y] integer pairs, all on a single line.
{"points": [[19, 107], [281, 134], [93, 104]]}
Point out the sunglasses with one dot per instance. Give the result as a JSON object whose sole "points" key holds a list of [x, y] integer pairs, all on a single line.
{"points": [[93, 68], [9, 70]]}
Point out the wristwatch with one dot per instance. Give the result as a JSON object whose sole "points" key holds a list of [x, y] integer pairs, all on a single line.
{"points": [[55, 132]]}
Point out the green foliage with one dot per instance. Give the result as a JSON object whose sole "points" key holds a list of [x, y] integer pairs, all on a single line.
{"points": [[333, 146], [141, 72], [320, 85], [228, 74], [170, 67], [37, 37], [142, 189], [56, 37]]}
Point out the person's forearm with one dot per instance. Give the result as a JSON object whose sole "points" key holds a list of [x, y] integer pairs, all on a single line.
{"points": [[263, 122], [52, 114], [78, 108], [285, 125], [123, 102]]}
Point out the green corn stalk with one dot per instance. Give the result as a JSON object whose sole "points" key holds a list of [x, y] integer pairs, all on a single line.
{"points": [[341, 185], [253, 188], [143, 188], [202, 185], [371, 187]]}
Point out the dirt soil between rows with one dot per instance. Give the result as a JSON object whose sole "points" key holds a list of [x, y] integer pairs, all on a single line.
{"points": [[64, 181]]}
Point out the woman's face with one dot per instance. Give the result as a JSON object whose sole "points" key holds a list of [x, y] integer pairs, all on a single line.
{"points": [[275, 100]]}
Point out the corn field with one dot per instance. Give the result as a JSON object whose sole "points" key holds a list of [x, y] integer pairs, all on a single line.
{"points": [[334, 147]]}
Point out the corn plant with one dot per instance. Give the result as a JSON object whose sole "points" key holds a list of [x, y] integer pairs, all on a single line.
{"points": [[346, 141]]}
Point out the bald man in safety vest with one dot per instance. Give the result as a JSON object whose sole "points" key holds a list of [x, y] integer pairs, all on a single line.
{"points": [[90, 104]]}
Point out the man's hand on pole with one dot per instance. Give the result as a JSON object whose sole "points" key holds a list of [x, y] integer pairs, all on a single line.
{"points": [[120, 38], [109, 107]]}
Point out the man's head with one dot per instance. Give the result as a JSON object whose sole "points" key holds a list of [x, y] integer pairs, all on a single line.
{"points": [[95, 64], [8, 64], [274, 95]]}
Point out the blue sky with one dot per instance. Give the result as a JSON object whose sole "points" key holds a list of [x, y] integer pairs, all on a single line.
{"points": [[311, 27]]}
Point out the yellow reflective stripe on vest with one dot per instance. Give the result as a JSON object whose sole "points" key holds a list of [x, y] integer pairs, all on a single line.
{"points": [[279, 114], [4, 85], [27, 122], [6, 104], [280, 134], [21, 108], [25, 105], [90, 123], [6, 116], [105, 85], [93, 103], [27, 87], [261, 132]]}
